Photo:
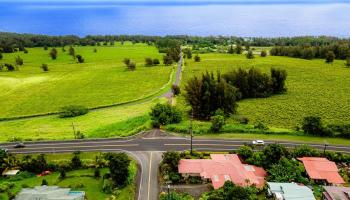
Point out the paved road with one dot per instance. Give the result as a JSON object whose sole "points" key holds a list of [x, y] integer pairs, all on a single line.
{"points": [[146, 149]]}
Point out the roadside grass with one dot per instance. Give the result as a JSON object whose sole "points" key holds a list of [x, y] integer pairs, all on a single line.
{"points": [[314, 88], [109, 122], [101, 80], [77, 178]]}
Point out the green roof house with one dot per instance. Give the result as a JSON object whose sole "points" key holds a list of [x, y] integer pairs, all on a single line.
{"points": [[289, 191], [49, 193]]}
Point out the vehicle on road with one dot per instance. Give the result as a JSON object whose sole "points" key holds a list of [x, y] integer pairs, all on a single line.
{"points": [[258, 142], [19, 145]]}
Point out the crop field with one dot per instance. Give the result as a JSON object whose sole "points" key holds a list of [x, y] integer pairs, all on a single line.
{"points": [[314, 88], [101, 80]]}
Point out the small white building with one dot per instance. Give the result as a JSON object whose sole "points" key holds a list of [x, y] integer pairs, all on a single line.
{"points": [[290, 191], [49, 193]]}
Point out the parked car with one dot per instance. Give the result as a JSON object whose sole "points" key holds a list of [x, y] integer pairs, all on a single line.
{"points": [[19, 145], [258, 142]]}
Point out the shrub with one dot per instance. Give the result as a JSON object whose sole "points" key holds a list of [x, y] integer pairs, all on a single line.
{"points": [[62, 173], [95, 50], [97, 173], [73, 111], [167, 60], [45, 48], [25, 51], [313, 125], [72, 51], [261, 126], [19, 61], [45, 67], [245, 152], [148, 62], [80, 59], [76, 162], [126, 61], [162, 114], [250, 54], [197, 58], [347, 62], [1, 56], [175, 89], [156, 61], [53, 54], [44, 182], [9, 67], [330, 56], [263, 53], [217, 122]]}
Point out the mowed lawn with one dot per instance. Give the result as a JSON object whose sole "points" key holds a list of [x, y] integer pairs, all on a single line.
{"points": [[314, 88], [101, 80]]}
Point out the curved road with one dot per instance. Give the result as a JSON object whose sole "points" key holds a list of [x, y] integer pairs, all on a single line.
{"points": [[146, 148]]}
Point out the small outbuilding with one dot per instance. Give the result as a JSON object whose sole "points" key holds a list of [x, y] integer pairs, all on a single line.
{"points": [[10, 172], [289, 191]]}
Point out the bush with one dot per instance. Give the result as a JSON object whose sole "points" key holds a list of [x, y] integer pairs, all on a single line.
{"points": [[62, 173], [97, 173], [130, 65], [76, 162], [261, 126], [9, 67], [95, 50], [263, 53], [19, 61], [156, 61], [245, 152], [167, 60], [45, 67], [175, 89], [217, 122], [162, 114], [197, 58], [72, 51], [25, 51], [73, 111], [347, 62], [53, 54], [313, 125], [250, 54], [148, 62], [1, 56], [80, 59], [44, 182], [330, 56]]}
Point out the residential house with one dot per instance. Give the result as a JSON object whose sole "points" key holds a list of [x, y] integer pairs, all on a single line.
{"points": [[322, 170], [289, 191], [221, 168]]}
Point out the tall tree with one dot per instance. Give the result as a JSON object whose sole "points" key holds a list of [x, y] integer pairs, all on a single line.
{"points": [[53, 53], [118, 164]]}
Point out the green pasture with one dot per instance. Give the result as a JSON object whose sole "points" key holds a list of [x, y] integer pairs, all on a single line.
{"points": [[314, 88], [101, 80]]}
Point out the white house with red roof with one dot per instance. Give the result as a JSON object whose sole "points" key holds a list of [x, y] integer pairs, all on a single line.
{"points": [[221, 168]]}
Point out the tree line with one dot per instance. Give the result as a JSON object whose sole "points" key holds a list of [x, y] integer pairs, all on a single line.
{"points": [[11, 41], [211, 93], [339, 50]]}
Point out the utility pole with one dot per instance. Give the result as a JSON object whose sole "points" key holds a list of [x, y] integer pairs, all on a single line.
{"points": [[324, 150], [191, 130], [75, 137]]}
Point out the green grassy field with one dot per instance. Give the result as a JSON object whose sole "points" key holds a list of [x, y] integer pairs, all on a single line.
{"points": [[91, 185], [314, 88], [101, 80]]}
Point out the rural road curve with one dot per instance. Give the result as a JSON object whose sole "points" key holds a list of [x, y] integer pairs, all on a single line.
{"points": [[146, 148]]}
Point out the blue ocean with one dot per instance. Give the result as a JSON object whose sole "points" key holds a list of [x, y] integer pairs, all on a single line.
{"points": [[259, 19]]}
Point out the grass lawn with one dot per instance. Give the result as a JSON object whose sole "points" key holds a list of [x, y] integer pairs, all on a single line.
{"points": [[314, 88], [74, 179], [101, 80]]}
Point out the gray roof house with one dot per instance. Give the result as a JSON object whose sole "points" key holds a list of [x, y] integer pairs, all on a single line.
{"points": [[290, 191], [49, 193]]}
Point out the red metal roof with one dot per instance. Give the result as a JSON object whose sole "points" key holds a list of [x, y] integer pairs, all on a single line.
{"points": [[322, 169], [224, 167]]}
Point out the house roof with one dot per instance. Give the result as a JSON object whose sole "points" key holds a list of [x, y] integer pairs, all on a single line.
{"points": [[322, 169], [224, 167], [10, 172], [291, 191], [335, 193]]}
